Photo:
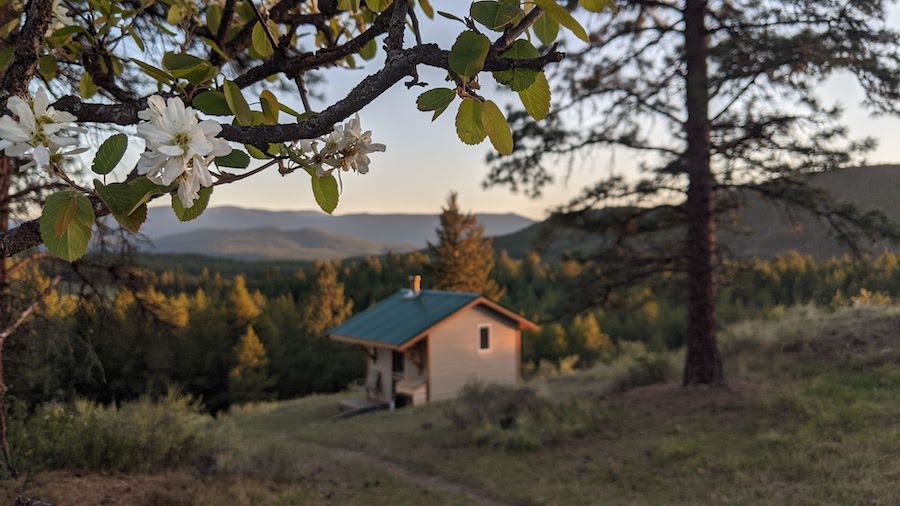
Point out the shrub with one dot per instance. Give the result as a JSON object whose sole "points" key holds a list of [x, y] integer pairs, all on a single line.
{"points": [[144, 435], [518, 418], [633, 366]]}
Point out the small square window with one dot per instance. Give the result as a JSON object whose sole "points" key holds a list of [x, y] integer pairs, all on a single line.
{"points": [[484, 338]]}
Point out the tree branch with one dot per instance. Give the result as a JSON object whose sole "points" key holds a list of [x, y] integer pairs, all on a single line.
{"points": [[23, 317], [25, 57], [367, 90]]}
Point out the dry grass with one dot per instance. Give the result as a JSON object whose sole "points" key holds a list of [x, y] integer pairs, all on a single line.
{"points": [[810, 417]]}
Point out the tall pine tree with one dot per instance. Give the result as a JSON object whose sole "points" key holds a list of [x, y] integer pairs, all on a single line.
{"points": [[249, 379], [463, 258], [721, 97]]}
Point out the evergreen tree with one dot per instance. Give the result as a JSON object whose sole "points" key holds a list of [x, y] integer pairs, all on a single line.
{"points": [[463, 257], [325, 304], [249, 379], [735, 83], [243, 306]]}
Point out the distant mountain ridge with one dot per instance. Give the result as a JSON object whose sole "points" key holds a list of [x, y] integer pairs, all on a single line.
{"points": [[255, 234], [762, 228], [272, 244]]}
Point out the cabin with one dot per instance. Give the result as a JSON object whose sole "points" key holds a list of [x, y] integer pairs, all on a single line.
{"points": [[425, 345]]}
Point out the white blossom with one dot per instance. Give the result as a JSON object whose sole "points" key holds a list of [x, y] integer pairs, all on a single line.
{"points": [[36, 130], [357, 145], [180, 147], [347, 147]]}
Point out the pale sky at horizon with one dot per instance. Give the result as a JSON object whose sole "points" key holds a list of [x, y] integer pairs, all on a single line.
{"points": [[425, 161]]}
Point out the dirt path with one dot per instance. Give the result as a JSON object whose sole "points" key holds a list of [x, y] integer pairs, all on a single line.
{"points": [[472, 494]]}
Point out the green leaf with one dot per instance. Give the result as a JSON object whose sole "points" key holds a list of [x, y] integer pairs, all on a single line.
{"points": [[126, 198], [468, 122], [213, 103], [546, 29], [237, 103], [325, 190], [598, 5], [66, 31], [496, 127], [175, 14], [260, 41], [86, 86], [135, 37], [199, 205], [450, 16], [120, 198], [468, 53], [213, 17], [215, 47], [180, 61], [563, 17], [160, 75], [47, 66], [143, 190], [300, 116], [369, 49], [495, 15], [436, 100], [6, 57], [378, 5], [518, 78], [269, 106], [536, 98], [110, 154], [237, 159], [66, 223], [427, 8], [187, 66]]}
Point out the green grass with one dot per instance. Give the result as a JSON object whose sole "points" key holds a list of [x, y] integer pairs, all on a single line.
{"points": [[811, 418]]}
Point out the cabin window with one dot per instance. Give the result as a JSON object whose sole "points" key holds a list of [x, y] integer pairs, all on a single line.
{"points": [[484, 338]]}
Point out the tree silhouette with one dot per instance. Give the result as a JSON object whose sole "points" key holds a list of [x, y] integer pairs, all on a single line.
{"points": [[721, 98], [462, 258]]}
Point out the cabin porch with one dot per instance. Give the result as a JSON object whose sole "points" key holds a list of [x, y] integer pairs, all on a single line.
{"points": [[398, 376]]}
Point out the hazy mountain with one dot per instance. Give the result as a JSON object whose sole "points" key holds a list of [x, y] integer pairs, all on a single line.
{"points": [[761, 228], [272, 243], [256, 234], [400, 229]]}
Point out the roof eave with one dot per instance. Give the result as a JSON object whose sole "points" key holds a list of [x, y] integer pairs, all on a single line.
{"points": [[364, 342]]}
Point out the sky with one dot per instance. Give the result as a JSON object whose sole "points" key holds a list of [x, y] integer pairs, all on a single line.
{"points": [[424, 161]]}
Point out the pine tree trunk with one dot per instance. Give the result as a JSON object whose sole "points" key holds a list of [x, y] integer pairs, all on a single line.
{"points": [[703, 364]]}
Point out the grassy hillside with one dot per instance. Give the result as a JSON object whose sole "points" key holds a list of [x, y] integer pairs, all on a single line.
{"points": [[762, 228], [810, 417]]}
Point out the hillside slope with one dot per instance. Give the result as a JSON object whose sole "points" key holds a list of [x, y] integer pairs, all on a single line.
{"points": [[809, 417], [399, 229], [762, 228]]}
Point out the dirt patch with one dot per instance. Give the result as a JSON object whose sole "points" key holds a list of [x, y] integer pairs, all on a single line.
{"points": [[674, 395], [857, 337], [75, 488]]}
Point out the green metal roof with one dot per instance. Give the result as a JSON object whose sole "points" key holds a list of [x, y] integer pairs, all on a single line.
{"points": [[401, 317]]}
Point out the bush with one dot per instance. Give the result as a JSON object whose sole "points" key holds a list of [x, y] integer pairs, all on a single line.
{"points": [[518, 418], [634, 366], [144, 435]]}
